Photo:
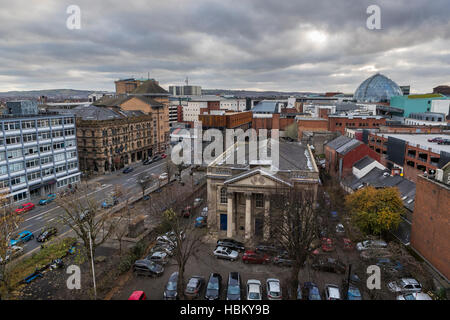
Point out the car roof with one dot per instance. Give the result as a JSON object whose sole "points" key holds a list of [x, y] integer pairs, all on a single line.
{"points": [[333, 290], [409, 280], [274, 284], [253, 282]]}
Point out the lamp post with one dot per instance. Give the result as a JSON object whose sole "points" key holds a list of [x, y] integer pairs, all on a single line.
{"points": [[93, 269]]}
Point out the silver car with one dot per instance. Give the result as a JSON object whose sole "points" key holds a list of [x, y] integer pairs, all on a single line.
{"points": [[405, 285], [371, 244], [254, 290], [226, 253], [273, 288]]}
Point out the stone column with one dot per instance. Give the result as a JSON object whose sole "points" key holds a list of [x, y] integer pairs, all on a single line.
{"points": [[230, 217], [248, 216], [266, 227]]}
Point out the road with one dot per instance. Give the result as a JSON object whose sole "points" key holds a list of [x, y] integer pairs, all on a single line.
{"points": [[42, 216]]}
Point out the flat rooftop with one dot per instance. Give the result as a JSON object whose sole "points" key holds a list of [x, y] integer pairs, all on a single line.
{"points": [[420, 140]]}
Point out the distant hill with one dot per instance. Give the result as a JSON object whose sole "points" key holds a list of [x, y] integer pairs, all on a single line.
{"points": [[52, 94], [246, 93]]}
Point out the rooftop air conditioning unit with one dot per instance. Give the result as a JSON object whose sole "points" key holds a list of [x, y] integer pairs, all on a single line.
{"points": [[439, 174]]}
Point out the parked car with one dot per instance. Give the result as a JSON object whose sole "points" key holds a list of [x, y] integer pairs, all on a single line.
{"points": [[128, 170], [165, 240], [170, 291], [234, 286], [332, 292], [46, 234], [273, 288], [11, 253], [197, 202], [186, 212], [436, 139], [268, 248], [299, 292], [163, 176], [163, 156], [371, 244], [166, 248], [252, 257], [283, 260], [25, 207], [159, 257], [156, 158], [232, 244], [312, 291], [84, 215], [347, 244], [254, 290], [414, 296], [138, 295], [147, 161], [404, 285], [226, 253], [340, 228], [110, 202], [193, 287], [200, 222], [329, 265], [334, 215], [353, 293], [389, 266], [204, 212], [21, 237], [50, 198], [148, 268], [375, 254], [214, 287], [327, 245], [444, 142]]}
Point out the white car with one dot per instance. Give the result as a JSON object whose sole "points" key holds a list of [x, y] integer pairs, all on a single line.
{"points": [[163, 176], [273, 289], [197, 202], [12, 253], [166, 240], [340, 228], [204, 212], [371, 244], [254, 290], [414, 296], [332, 292], [159, 257], [405, 285], [226, 253]]}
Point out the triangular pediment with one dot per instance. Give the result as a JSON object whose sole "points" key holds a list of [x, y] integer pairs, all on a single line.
{"points": [[256, 177]]}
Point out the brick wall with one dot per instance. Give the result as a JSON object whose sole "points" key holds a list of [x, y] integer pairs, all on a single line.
{"points": [[430, 233], [311, 125]]}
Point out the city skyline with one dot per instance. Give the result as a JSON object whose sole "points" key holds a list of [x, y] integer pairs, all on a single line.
{"points": [[250, 45]]}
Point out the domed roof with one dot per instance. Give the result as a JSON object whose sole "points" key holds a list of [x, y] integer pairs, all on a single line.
{"points": [[377, 88]]}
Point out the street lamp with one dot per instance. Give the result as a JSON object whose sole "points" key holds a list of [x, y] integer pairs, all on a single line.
{"points": [[93, 269]]}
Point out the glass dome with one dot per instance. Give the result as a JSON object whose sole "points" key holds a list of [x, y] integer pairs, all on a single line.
{"points": [[377, 88]]}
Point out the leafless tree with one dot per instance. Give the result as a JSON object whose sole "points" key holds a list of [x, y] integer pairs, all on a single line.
{"points": [[187, 240], [293, 226], [9, 222], [85, 218]]}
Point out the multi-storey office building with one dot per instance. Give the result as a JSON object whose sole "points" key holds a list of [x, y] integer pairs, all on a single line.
{"points": [[38, 154]]}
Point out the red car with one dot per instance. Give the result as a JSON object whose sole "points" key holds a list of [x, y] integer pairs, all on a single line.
{"points": [[25, 207], [138, 295], [327, 245], [253, 257], [186, 212], [348, 245], [163, 156]]}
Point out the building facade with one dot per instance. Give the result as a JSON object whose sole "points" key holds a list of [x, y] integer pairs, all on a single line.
{"points": [[38, 154], [239, 193]]}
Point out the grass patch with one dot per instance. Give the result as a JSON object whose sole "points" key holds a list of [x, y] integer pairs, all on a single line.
{"points": [[44, 256]]}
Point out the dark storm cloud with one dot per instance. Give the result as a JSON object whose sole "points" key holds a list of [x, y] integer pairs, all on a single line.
{"points": [[321, 45]]}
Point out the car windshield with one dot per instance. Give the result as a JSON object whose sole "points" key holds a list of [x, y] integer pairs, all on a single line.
{"points": [[213, 285], [409, 297], [172, 286], [233, 290], [253, 295]]}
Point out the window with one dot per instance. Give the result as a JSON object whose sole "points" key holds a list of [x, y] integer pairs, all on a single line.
{"points": [[68, 121], [45, 148], [3, 170], [34, 176], [12, 126], [29, 137], [60, 168], [44, 135], [56, 122], [223, 195], [20, 196], [47, 172], [4, 184], [59, 145], [13, 140], [59, 157], [70, 143], [72, 165], [32, 163], [2, 155], [17, 180], [57, 133], [42, 123], [45, 160], [69, 132], [260, 200], [28, 124], [16, 167], [14, 154]]}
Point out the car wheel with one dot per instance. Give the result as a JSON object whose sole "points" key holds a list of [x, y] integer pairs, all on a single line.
{"points": [[231, 260]]}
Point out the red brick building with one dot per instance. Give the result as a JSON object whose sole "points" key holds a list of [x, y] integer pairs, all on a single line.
{"points": [[311, 124], [430, 233], [229, 120], [342, 153], [273, 121], [340, 122]]}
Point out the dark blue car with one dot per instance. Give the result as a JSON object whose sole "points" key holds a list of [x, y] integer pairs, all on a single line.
{"points": [[312, 291], [127, 170]]}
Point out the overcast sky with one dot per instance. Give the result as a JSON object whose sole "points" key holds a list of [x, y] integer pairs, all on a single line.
{"points": [[286, 45]]}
